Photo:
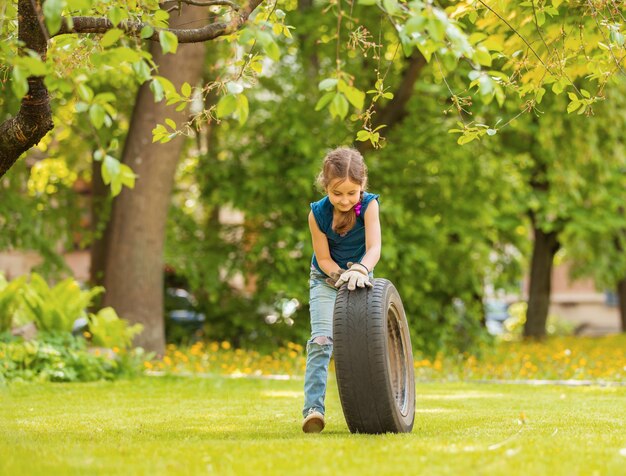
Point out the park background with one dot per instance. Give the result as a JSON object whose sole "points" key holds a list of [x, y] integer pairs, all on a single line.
{"points": [[155, 194]]}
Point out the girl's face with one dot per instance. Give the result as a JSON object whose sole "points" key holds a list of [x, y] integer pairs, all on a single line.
{"points": [[343, 194]]}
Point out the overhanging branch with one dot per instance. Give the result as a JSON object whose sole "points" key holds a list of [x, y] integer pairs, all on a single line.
{"points": [[185, 35]]}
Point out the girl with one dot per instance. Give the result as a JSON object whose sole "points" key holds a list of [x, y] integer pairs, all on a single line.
{"points": [[345, 229]]}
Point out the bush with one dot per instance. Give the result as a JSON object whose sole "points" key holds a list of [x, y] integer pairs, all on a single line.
{"points": [[108, 330], [62, 357], [57, 308], [9, 301], [55, 354]]}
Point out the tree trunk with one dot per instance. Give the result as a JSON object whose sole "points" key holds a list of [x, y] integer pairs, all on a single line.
{"points": [[100, 216], [621, 296], [135, 240], [34, 119], [544, 248]]}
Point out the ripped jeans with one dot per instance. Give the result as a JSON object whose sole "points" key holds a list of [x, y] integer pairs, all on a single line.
{"points": [[319, 348]]}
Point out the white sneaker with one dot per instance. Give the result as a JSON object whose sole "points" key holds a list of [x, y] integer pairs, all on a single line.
{"points": [[314, 422]]}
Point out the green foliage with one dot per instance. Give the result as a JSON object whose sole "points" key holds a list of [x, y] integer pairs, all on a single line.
{"points": [[55, 309], [9, 301], [61, 357], [108, 330], [442, 210]]}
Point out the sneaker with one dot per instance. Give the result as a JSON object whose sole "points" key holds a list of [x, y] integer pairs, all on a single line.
{"points": [[314, 422]]}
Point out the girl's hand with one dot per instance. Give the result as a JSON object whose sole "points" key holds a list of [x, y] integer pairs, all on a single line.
{"points": [[334, 276], [356, 276]]}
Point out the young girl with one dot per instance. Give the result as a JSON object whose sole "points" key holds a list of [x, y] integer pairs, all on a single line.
{"points": [[345, 229]]}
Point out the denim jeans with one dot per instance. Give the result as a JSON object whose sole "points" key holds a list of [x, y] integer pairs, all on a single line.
{"points": [[322, 307]]}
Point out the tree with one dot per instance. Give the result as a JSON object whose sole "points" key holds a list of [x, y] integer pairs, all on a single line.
{"points": [[442, 37], [40, 21], [136, 232]]}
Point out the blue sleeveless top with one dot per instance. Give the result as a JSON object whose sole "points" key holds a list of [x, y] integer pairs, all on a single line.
{"points": [[349, 247]]}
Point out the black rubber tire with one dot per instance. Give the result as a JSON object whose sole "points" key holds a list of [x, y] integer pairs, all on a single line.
{"points": [[374, 360]]}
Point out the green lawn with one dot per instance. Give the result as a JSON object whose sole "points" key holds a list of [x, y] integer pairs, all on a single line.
{"points": [[225, 426]]}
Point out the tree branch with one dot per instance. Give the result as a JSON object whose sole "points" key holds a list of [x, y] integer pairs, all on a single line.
{"points": [[395, 110], [34, 119], [185, 35], [209, 3]]}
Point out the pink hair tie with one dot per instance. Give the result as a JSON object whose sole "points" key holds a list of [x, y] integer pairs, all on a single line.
{"points": [[357, 209]]}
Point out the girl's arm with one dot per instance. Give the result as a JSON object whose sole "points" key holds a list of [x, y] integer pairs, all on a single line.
{"points": [[320, 246], [372, 235]]}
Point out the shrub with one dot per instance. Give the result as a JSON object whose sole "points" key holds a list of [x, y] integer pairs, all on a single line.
{"points": [[61, 357], [108, 330], [57, 308], [9, 301]]}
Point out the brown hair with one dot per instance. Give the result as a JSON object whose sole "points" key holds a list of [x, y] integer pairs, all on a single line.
{"points": [[344, 163]]}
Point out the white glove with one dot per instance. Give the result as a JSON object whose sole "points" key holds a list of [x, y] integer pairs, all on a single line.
{"points": [[356, 276]]}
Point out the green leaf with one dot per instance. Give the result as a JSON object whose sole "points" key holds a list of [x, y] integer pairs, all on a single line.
{"points": [[79, 4], [123, 54], [157, 90], [272, 50], [391, 6], [363, 135], [585, 93], [415, 24], [355, 96], [226, 105], [367, 2], [186, 89], [482, 56], [557, 88], [339, 106], [96, 115], [541, 18], [146, 32], [84, 92], [539, 95], [617, 37], [234, 88], [142, 71], [324, 100], [19, 83], [127, 176], [110, 169], [243, 108], [52, 13], [464, 139], [110, 37], [117, 15], [436, 29], [32, 65], [170, 123], [485, 85], [327, 84], [572, 106], [169, 41], [168, 87], [159, 132]]}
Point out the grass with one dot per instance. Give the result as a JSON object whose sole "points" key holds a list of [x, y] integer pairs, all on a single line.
{"points": [[224, 426]]}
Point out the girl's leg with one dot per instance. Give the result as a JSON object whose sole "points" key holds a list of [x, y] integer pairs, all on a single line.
{"points": [[320, 346]]}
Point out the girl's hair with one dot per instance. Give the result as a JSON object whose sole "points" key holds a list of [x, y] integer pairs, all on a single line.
{"points": [[343, 163]]}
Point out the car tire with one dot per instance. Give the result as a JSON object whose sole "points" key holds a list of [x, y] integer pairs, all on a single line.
{"points": [[374, 360]]}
